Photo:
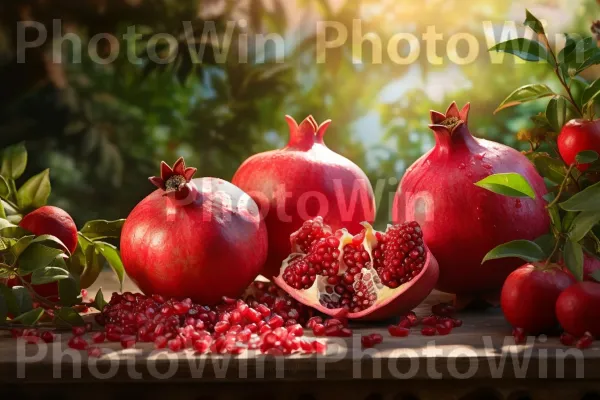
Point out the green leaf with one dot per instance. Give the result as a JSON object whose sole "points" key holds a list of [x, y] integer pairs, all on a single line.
{"points": [[525, 49], [51, 241], [35, 257], [21, 244], [34, 193], [586, 200], [574, 258], [3, 308], [550, 168], [102, 229], [11, 301], [568, 219], [99, 301], [6, 271], [557, 112], [48, 274], [594, 59], [112, 255], [68, 317], [534, 23], [596, 275], [2, 212], [69, 291], [523, 249], [582, 224], [14, 161], [591, 92], [525, 94], [94, 263], [546, 243], [586, 157], [508, 184], [30, 318], [4, 188], [76, 263], [22, 300]]}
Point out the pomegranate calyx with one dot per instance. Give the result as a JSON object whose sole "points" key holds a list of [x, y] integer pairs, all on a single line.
{"points": [[173, 179], [451, 120], [305, 135]]}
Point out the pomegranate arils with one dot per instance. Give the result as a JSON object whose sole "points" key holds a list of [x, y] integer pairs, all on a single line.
{"points": [[431, 320], [79, 330], [94, 352], [160, 342], [371, 340], [398, 331], [319, 330], [519, 335], [444, 329], [585, 342], [48, 336], [77, 343], [127, 341], [567, 339], [98, 337], [428, 331], [175, 345]]}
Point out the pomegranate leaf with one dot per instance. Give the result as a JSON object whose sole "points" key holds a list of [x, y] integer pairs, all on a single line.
{"points": [[523, 249], [4, 188], [99, 301], [525, 94], [586, 200], [48, 274], [69, 291], [528, 50], [582, 224], [507, 184], [102, 229], [12, 231], [573, 253], [30, 317], [558, 112], [94, 263], [68, 317], [113, 257], [2, 212], [546, 243], [586, 157], [36, 256], [19, 301], [591, 92], [34, 193], [534, 23], [596, 275], [594, 59], [14, 161]]}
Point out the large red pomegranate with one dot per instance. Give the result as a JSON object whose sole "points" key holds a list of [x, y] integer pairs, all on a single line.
{"points": [[576, 136], [462, 222], [303, 180], [529, 296], [578, 309], [49, 220], [202, 238], [368, 276]]}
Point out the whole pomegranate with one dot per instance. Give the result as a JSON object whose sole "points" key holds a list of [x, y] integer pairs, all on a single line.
{"points": [[578, 309], [368, 276], [462, 222], [528, 297], [303, 180], [576, 136], [200, 238], [49, 220]]}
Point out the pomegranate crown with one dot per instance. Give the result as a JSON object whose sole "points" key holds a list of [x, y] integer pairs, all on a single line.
{"points": [[307, 133], [173, 178], [451, 120]]}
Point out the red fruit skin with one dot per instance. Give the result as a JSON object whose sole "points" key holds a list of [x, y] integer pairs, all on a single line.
{"points": [[578, 309], [204, 249], [400, 301], [529, 296], [288, 183], [576, 136], [49, 220], [438, 191]]}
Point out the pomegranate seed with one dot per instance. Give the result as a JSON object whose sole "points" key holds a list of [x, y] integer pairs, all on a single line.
{"points": [[276, 321], [334, 322], [48, 337], [428, 331], [313, 321], [252, 327], [94, 352], [320, 348], [127, 341], [443, 310], [567, 339], [371, 340], [432, 320], [78, 330], [253, 315], [444, 329], [398, 331], [98, 337], [519, 335], [412, 317], [319, 330], [264, 310], [31, 339], [296, 329], [113, 336], [222, 327], [203, 345], [77, 343], [175, 345], [457, 323], [264, 329], [84, 293], [160, 342], [585, 342], [405, 323], [181, 308]]}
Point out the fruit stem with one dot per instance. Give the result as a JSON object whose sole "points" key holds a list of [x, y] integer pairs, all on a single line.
{"points": [[13, 191], [562, 187]]}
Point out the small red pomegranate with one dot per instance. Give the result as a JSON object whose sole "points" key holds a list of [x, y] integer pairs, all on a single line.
{"points": [[202, 238], [529, 296], [49, 220], [369, 276], [578, 309], [303, 180], [576, 136], [462, 222]]}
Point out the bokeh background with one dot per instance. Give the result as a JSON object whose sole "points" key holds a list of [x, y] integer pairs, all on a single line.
{"points": [[103, 129]]}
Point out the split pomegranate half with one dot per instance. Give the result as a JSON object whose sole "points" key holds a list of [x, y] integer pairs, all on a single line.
{"points": [[370, 276]]}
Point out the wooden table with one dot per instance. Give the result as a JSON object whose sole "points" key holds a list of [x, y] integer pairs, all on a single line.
{"points": [[467, 364]]}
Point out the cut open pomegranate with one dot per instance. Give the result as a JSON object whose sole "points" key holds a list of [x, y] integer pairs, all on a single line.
{"points": [[372, 275]]}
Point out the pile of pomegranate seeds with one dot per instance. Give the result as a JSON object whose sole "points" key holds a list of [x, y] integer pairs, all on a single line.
{"points": [[582, 343]]}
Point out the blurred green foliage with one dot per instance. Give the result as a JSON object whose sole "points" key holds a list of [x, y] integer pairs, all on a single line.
{"points": [[103, 129]]}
